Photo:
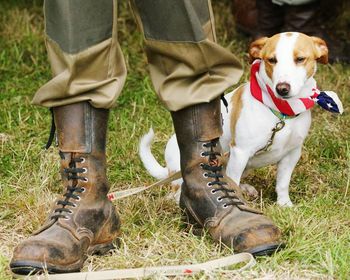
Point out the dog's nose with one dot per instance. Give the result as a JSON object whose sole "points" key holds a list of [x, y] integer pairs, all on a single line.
{"points": [[283, 89]]}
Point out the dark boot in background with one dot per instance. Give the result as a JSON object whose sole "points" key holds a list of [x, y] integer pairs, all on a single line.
{"points": [[258, 18], [83, 221], [270, 19], [246, 16], [210, 199], [303, 18], [262, 18], [308, 19]]}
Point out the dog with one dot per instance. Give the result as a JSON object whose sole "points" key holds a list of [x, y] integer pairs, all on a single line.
{"points": [[268, 118]]}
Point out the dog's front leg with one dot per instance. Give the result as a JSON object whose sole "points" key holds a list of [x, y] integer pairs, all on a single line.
{"points": [[235, 168], [285, 169], [236, 164]]}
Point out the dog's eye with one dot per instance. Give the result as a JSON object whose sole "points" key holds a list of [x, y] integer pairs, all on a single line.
{"points": [[300, 59], [272, 60]]}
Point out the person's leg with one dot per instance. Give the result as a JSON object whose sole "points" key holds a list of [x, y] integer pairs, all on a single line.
{"points": [[83, 50], [307, 18], [89, 73], [190, 71], [182, 54]]}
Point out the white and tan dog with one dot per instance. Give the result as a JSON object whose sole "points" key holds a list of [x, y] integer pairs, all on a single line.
{"points": [[276, 102]]}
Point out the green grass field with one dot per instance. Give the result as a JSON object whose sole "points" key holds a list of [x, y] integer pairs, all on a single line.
{"points": [[316, 230]]}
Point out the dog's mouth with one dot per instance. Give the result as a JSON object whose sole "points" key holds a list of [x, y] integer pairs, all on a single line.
{"points": [[285, 97]]}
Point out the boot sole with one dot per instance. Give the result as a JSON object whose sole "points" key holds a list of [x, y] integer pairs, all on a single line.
{"points": [[33, 267], [266, 250]]}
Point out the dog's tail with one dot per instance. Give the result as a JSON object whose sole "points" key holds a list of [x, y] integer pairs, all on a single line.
{"points": [[147, 158]]}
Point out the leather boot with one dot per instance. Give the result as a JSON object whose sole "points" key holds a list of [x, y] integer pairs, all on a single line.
{"points": [[83, 221], [245, 14], [209, 198], [270, 19], [303, 18]]}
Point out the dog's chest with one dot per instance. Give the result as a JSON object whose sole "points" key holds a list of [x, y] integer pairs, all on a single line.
{"points": [[290, 137], [254, 130]]}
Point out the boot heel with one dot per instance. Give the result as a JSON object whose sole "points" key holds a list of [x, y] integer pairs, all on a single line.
{"points": [[102, 249], [191, 223]]}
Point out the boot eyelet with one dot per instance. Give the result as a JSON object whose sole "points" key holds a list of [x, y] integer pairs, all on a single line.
{"points": [[202, 154], [201, 165], [82, 160], [205, 175], [83, 190], [225, 205], [74, 205], [219, 199], [85, 170], [70, 212], [213, 191], [85, 180], [209, 185], [78, 199], [204, 145]]}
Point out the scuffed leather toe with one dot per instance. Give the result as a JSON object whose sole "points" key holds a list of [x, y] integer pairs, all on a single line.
{"points": [[253, 234], [37, 253]]}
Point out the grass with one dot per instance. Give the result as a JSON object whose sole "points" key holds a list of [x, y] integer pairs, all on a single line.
{"points": [[316, 230]]}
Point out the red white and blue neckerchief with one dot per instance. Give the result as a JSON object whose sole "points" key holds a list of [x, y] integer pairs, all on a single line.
{"points": [[293, 107]]}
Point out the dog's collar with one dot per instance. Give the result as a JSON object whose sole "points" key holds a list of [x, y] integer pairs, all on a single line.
{"points": [[282, 116]]}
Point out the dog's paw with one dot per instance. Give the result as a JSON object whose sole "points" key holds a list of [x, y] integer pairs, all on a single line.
{"points": [[286, 202], [174, 195], [249, 190]]}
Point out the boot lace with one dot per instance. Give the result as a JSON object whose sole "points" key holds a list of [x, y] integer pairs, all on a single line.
{"points": [[72, 191], [214, 171]]}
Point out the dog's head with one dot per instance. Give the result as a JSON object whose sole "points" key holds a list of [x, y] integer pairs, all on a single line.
{"points": [[289, 60]]}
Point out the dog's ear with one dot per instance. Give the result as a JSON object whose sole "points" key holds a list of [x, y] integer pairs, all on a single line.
{"points": [[321, 50], [255, 49]]}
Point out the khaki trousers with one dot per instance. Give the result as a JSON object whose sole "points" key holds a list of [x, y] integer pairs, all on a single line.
{"points": [[186, 64]]}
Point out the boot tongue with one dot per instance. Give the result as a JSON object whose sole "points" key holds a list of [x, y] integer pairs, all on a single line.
{"points": [[74, 126], [214, 158], [214, 162]]}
